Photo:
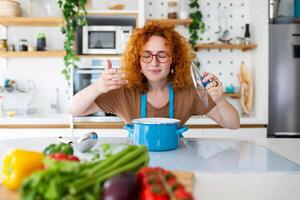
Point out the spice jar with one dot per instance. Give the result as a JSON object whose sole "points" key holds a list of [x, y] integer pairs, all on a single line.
{"points": [[23, 45], [172, 10], [3, 45]]}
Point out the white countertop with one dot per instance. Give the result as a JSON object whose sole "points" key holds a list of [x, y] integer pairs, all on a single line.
{"points": [[229, 170]]}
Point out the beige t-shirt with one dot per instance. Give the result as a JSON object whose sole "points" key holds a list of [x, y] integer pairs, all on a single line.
{"points": [[125, 103]]}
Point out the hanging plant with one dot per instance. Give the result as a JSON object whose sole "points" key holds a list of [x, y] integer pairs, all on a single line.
{"points": [[197, 27], [74, 15]]}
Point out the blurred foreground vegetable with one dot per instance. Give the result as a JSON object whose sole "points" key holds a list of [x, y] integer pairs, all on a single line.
{"points": [[74, 180], [122, 186], [18, 164], [160, 184], [58, 148], [62, 156]]}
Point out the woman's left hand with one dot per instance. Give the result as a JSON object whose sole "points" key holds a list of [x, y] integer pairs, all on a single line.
{"points": [[214, 88]]}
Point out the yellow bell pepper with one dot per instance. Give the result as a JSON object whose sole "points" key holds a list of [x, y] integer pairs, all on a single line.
{"points": [[18, 164]]}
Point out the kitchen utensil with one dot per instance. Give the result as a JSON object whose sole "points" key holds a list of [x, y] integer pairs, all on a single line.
{"points": [[198, 83], [158, 134], [273, 10], [83, 143]]}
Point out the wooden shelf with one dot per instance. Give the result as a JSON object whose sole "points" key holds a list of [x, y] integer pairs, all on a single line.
{"points": [[173, 22], [111, 12], [20, 54], [31, 21], [233, 95], [242, 47], [100, 56]]}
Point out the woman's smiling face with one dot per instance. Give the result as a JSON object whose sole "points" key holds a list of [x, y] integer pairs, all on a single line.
{"points": [[155, 59]]}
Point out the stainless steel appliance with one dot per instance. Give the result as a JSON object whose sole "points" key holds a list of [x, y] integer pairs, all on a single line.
{"points": [[284, 81], [105, 39]]}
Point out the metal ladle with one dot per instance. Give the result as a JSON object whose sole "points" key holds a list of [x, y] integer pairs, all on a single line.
{"points": [[83, 143]]}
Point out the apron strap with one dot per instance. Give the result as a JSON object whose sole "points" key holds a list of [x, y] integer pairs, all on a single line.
{"points": [[143, 106], [171, 101]]}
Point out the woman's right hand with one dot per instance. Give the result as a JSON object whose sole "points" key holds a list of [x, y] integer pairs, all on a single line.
{"points": [[110, 79]]}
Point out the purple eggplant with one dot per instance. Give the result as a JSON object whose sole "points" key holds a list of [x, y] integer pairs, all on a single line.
{"points": [[123, 186]]}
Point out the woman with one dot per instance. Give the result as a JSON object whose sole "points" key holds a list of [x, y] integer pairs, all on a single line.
{"points": [[154, 81]]}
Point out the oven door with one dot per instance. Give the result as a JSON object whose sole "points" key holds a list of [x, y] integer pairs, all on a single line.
{"points": [[83, 78], [101, 40]]}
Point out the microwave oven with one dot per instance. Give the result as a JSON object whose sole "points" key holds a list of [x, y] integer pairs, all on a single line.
{"points": [[105, 39]]}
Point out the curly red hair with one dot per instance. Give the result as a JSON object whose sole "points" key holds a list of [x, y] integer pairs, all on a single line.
{"points": [[180, 49]]}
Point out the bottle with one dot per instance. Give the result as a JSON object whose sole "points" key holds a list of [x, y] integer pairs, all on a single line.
{"points": [[172, 10], [3, 45], [247, 34], [23, 45]]}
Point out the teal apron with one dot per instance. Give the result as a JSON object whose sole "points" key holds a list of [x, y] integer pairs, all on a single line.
{"points": [[143, 106]]}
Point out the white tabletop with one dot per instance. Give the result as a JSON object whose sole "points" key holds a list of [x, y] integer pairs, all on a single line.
{"points": [[225, 169]]}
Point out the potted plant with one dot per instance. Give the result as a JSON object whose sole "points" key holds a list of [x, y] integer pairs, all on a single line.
{"points": [[74, 15], [197, 27], [41, 42]]}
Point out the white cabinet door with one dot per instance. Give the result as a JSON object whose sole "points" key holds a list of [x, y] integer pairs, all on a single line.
{"points": [[12, 133]]}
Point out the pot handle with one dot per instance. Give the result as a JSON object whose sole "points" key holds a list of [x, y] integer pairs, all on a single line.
{"points": [[181, 130], [129, 128]]}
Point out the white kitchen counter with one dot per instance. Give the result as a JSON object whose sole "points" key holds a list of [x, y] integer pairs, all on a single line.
{"points": [[225, 169]]}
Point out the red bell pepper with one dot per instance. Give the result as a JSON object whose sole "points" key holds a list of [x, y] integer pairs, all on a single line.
{"points": [[62, 156]]}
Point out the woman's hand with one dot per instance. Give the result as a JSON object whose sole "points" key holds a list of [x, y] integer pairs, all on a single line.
{"points": [[214, 88], [110, 79]]}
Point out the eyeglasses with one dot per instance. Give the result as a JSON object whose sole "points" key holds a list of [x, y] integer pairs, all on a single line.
{"points": [[161, 57]]}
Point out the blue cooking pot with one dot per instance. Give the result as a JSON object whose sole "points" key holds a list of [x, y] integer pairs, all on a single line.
{"points": [[158, 134]]}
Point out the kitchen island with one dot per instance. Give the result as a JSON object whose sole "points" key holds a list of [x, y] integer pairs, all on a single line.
{"points": [[224, 169]]}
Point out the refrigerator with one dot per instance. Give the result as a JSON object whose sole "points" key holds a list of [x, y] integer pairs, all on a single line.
{"points": [[284, 80]]}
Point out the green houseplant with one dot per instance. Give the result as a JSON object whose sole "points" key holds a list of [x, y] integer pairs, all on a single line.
{"points": [[41, 42], [197, 27], [74, 15]]}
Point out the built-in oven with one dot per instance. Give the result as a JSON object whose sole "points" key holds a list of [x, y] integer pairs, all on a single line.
{"points": [[88, 72]]}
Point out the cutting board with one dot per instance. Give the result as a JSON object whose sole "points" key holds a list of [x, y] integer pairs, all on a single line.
{"points": [[184, 177]]}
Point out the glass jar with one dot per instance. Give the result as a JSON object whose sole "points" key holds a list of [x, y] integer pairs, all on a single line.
{"points": [[3, 45], [23, 45], [172, 10]]}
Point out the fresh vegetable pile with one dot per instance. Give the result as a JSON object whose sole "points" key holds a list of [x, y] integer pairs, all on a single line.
{"points": [[116, 172], [65, 179]]}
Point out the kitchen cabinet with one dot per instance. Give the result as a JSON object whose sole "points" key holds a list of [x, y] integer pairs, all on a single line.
{"points": [[8, 133]]}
